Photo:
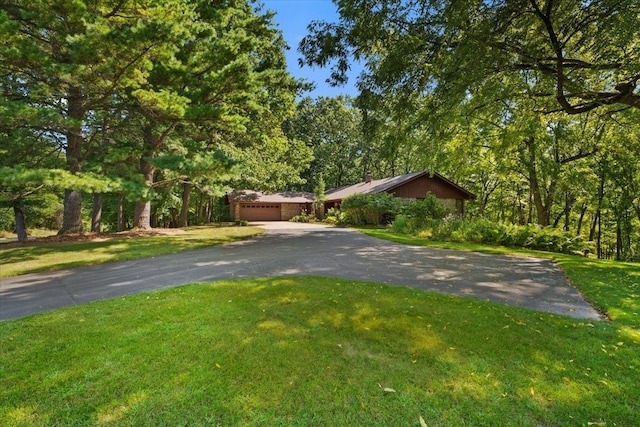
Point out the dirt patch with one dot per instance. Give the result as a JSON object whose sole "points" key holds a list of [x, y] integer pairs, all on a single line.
{"points": [[92, 237]]}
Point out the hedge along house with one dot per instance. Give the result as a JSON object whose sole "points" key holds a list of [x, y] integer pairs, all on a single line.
{"points": [[412, 186], [252, 205]]}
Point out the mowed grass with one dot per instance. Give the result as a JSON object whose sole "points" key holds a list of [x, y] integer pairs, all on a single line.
{"points": [[308, 351], [57, 256]]}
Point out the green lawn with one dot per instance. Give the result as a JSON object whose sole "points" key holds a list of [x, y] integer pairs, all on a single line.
{"points": [[315, 351], [57, 256], [318, 351]]}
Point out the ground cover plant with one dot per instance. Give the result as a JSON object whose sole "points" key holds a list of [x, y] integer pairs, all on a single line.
{"points": [[21, 259], [480, 230], [315, 351]]}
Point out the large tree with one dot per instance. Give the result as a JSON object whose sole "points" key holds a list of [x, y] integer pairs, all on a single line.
{"points": [[574, 55], [227, 77], [67, 59], [331, 128]]}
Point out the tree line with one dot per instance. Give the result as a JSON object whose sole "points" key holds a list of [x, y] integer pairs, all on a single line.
{"points": [[531, 104], [138, 101]]}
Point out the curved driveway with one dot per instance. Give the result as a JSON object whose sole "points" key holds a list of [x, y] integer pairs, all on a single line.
{"points": [[294, 249]]}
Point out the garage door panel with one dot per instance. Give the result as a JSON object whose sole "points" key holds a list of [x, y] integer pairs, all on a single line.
{"points": [[259, 212]]}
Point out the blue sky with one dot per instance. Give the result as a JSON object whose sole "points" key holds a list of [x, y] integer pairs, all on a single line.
{"points": [[293, 16]]}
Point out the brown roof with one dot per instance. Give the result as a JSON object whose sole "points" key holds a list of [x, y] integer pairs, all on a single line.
{"points": [[386, 184], [275, 197]]}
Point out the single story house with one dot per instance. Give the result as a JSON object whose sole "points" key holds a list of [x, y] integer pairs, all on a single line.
{"points": [[412, 186], [252, 205]]}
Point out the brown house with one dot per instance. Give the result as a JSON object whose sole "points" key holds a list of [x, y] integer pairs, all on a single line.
{"points": [[414, 186], [252, 205]]}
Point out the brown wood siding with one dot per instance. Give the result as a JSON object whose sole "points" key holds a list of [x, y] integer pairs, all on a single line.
{"points": [[419, 187]]}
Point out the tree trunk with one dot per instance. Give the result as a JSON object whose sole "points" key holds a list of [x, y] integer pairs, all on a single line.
{"points": [[599, 242], [568, 205], [542, 204], [599, 212], [618, 239], [21, 225], [96, 215], [120, 226], [142, 216], [186, 195], [175, 218], [72, 217], [583, 210]]}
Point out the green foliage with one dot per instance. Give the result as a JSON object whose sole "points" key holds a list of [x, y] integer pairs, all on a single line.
{"points": [[419, 214], [429, 207], [303, 218], [574, 55], [333, 217], [360, 209], [456, 229], [331, 128], [173, 91]]}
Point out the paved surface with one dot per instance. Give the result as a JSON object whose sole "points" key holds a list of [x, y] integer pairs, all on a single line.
{"points": [[295, 249]]}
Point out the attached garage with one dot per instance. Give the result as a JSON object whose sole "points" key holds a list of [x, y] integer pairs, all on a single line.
{"points": [[249, 205], [259, 212]]}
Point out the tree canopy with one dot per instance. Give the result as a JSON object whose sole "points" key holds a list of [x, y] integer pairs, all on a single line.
{"points": [[568, 55], [167, 94]]}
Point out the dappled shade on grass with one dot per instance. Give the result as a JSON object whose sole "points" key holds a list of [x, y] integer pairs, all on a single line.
{"points": [[315, 351], [49, 257]]}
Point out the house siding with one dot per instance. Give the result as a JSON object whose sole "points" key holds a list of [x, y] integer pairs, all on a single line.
{"points": [[420, 187]]}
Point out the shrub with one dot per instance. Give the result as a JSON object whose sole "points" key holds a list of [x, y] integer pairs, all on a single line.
{"points": [[401, 225], [361, 209], [429, 207], [332, 216], [420, 215], [302, 218], [455, 229]]}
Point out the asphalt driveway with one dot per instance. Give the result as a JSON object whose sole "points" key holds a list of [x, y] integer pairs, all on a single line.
{"points": [[293, 249]]}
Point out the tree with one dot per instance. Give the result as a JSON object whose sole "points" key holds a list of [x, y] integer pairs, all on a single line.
{"points": [[226, 77], [61, 61], [577, 56], [331, 127]]}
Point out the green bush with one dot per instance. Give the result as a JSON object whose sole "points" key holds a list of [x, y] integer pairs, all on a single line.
{"points": [[332, 216], [361, 209], [419, 215], [302, 218], [455, 229], [402, 225], [428, 208]]}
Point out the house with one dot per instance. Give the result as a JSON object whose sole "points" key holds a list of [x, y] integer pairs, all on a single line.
{"points": [[413, 186], [252, 205]]}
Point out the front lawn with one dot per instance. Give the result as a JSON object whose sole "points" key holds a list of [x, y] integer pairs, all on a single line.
{"points": [[315, 351], [22, 259]]}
